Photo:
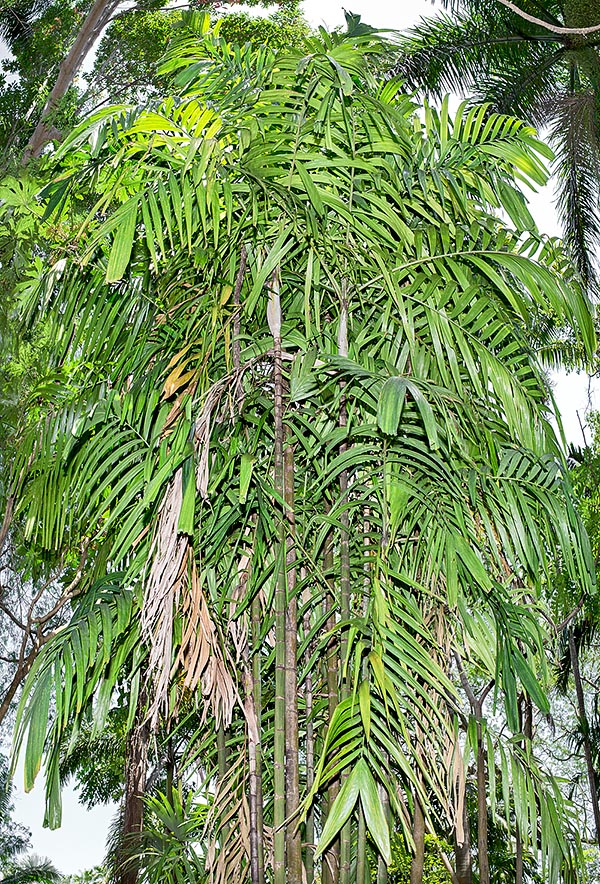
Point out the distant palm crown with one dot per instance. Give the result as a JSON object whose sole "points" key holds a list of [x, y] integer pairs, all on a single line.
{"points": [[549, 79]]}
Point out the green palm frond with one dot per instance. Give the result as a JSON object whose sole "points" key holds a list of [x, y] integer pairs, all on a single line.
{"points": [[32, 870], [575, 137], [286, 248]]}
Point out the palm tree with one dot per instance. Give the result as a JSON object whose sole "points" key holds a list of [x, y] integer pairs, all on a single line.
{"points": [[550, 79], [32, 870], [295, 410]]}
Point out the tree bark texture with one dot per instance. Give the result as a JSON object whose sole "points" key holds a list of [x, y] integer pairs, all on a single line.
{"points": [[135, 785], [462, 852], [96, 20], [418, 861], [292, 772], [482, 820]]}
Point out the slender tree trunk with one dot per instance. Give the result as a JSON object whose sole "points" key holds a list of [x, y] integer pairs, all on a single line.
{"points": [[331, 857], [345, 573], [292, 773], [310, 769], [361, 850], [382, 871], [237, 291], [96, 20], [135, 785], [462, 852], [418, 861], [482, 820], [256, 790], [526, 718], [279, 740], [585, 729]]}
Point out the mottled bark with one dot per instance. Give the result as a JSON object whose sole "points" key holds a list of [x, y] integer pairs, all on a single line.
{"points": [[462, 852], [135, 785], [96, 20], [418, 832]]}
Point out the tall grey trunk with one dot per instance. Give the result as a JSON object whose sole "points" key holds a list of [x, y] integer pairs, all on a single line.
{"points": [[96, 20]]}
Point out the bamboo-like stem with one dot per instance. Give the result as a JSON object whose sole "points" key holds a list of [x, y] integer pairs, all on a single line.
{"points": [[253, 701], [253, 790], [135, 785], [309, 860], [345, 581], [476, 703], [482, 821], [418, 861], [382, 871], [237, 291], [462, 852], [361, 849], [526, 721], [279, 871], [170, 771], [257, 698], [292, 773], [331, 857], [309, 828]]}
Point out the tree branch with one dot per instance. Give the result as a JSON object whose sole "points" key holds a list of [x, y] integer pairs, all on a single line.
{"points": [[556, 29]]}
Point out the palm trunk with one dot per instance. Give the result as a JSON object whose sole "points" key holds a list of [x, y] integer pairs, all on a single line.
{"points": [[361, 850], [526, 717], [585, 730], [310, 770], [254, 786], [279, 740], [462, 852], [382, 871], [135, 785], [292, 773], [170, 772], [346, 833], [482, 820], [331, 857], [418, 861]]}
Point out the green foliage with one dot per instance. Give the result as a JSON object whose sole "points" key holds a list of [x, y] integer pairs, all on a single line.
{"points": [[284, 246], [171, 848], [492, 53], [127, 60], [434, 871], [42, 38], [97, 875], [98, 761], [14, 838], [32, 870]]}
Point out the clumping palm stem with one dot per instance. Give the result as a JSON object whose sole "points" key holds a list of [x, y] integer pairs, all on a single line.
{"points": [[279, 870], [292, 774]]}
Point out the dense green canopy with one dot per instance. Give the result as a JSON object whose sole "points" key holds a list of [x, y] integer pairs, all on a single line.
{"points": [[295, 411]]}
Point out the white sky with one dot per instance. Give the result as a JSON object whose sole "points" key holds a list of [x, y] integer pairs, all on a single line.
{"points": [[79, 844]]}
